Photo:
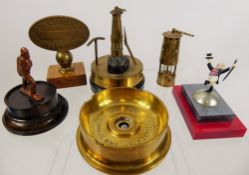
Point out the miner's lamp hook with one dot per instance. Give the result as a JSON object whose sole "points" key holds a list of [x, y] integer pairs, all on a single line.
{"points": [[174, 30], [117, 10]]}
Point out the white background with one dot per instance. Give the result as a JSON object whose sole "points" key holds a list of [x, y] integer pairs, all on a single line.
{"points": [[220, 27]]}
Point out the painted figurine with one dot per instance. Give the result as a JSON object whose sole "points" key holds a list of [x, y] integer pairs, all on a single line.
{"points": [[24, 65], [215, 72]]}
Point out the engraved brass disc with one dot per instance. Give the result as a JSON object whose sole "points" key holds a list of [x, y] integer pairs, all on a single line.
{"points": [[59, 33], [123, 131], [102, 78]]}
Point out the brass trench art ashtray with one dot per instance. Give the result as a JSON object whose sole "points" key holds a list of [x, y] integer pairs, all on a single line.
{"points": [[123, 131], [116, 69], [61, 34]]}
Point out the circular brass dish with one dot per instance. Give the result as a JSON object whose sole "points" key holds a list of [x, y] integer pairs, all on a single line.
{"points": [[123, 131], [102, 79]]}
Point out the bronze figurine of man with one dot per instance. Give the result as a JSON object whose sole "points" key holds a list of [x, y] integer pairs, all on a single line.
{"points": [[24, 65]]}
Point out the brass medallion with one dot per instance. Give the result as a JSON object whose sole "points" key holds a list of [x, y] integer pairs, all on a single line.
{"points": [[59, 33]]}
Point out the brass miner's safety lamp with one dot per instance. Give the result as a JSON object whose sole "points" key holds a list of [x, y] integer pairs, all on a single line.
{"points": [[169, 57], [116, 69]]}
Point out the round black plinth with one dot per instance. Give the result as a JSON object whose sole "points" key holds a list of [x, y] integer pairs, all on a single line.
{"points": [[95, 88], [24, 116]]}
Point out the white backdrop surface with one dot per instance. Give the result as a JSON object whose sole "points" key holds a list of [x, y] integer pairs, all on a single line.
{"points": [[220, 27]]}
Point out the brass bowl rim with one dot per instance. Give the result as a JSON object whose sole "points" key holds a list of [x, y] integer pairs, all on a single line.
{"points": [[165, 128], [168, 137]]}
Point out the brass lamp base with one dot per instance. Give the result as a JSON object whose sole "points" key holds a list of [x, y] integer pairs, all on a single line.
{"points": [[166, 79], [102, 79], [123, 131]]}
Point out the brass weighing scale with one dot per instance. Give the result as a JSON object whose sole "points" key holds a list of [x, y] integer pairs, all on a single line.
{"points": [[116, 69], [123, 131]]}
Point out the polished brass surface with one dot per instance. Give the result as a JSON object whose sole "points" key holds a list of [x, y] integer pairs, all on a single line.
{"points": [[206, 98], [123, 131], [65, 59], [169, 57], [59, 33], [101, 77]]}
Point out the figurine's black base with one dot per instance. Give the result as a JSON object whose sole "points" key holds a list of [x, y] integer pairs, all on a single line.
{"points": [[221, 112], [95, 88], [24, 116]]}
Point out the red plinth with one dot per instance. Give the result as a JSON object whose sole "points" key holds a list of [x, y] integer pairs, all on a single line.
{"points": [[207, 130]]}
